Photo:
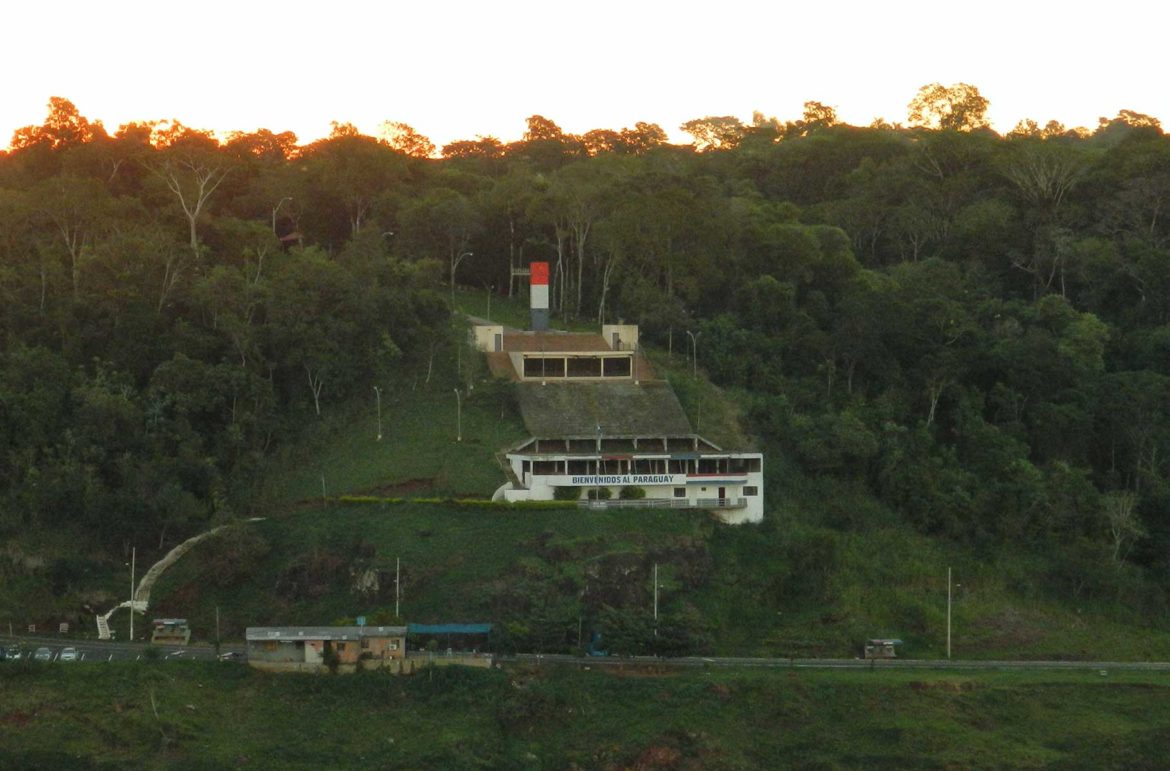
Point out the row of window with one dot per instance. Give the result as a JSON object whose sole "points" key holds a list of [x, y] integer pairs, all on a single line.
{"points": [[644, 466], [547, 367]]}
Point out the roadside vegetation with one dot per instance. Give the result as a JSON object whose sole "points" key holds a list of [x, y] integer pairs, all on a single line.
{"points": [[191, 715]]}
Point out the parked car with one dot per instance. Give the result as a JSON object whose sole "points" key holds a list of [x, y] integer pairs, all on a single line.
{"points": [[232, 656], [15, 652], [68, 654], [43, 654]]}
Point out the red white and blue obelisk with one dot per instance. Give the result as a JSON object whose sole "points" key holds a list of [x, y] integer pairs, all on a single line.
{"points": [[538, 302]]}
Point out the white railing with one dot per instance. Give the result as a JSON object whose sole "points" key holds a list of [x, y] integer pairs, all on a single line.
{"points": [[665, 503]]}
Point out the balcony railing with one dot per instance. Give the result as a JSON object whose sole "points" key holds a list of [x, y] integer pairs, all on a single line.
{"points": [[665, 503]]}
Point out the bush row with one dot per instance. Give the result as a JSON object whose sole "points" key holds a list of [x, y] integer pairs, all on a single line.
{"points": [[472, 503]]}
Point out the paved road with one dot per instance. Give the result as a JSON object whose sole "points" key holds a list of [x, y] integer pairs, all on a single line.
{"points": [[93, 650], [97, 650]]}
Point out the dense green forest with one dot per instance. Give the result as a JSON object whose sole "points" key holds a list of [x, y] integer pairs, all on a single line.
{"points": [[973, 328]]}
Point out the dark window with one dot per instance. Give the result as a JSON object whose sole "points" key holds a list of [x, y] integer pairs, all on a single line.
{"points": [[751, 490], [544, 366], [680, 492], [581, 366], [617, 367]]}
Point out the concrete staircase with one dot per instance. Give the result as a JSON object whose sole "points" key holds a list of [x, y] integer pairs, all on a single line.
{"points": [[506, 467]]}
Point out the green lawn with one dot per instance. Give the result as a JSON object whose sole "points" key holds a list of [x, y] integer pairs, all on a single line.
{"points": [[418, 453]]}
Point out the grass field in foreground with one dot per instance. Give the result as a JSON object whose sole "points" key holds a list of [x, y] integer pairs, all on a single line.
{"points": [[205, 715]]}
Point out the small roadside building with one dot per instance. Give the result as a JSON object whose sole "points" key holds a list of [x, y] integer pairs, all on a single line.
{"points": [[306, 648], [170, 631]]}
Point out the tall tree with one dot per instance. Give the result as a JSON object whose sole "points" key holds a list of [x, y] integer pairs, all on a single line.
{"points": [[63, 126], [404, 139], [192, 168], [959, 107], [715, 132]]}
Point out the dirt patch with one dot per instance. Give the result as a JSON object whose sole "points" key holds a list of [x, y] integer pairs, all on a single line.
{"points": [[947, 686], [1012, 630], [658, 757], [16, 719], [641, 670]]}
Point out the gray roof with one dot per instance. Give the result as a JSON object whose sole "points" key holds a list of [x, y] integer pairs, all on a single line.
{"points": [[291, 633], [576, 410]]}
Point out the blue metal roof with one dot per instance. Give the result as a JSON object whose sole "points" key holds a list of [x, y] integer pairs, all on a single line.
{"points": [[448, 628]]}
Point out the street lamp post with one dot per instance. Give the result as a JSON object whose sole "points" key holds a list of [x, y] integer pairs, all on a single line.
{"points": [[458, 416], [949, 586], [655, 599], [378, 400], [695, 353], [599, 461]]}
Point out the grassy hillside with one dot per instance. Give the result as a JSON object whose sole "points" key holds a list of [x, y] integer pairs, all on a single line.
{"points": [[418, 453], [768, 590], [189, 715]]}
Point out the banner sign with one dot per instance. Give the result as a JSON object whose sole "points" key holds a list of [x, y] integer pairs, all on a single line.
{"points": [[616, 480]]}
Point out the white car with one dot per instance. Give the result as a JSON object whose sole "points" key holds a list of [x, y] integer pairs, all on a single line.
{"points": [[68, 654]]}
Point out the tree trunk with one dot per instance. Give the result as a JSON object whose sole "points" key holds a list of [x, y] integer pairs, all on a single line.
{"points": [[315, 384]]}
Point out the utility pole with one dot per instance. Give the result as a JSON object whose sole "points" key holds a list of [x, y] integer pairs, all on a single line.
{"points": [[217, 629], [695, 354], [133, 556], [458, 416], [948, 612], [397, 575]]}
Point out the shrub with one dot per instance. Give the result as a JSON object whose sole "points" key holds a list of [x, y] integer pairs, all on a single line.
{"points": [[566, 493], [631, 493], [330, 658], [599, 494]]}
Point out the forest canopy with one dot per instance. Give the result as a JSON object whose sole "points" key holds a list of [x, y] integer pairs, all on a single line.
{"points": [[975, 327]]}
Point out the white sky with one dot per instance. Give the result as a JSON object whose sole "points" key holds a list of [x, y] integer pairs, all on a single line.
{"points": [[454, 69]]}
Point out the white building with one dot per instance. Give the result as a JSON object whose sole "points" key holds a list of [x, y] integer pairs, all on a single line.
{"points": [[603, 429]]}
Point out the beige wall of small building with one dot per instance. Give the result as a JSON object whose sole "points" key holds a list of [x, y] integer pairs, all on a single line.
{"points": [[627, 336], [485, 336]]}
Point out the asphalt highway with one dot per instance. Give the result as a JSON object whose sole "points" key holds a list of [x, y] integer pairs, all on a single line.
{"points": [[100, 650]]}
